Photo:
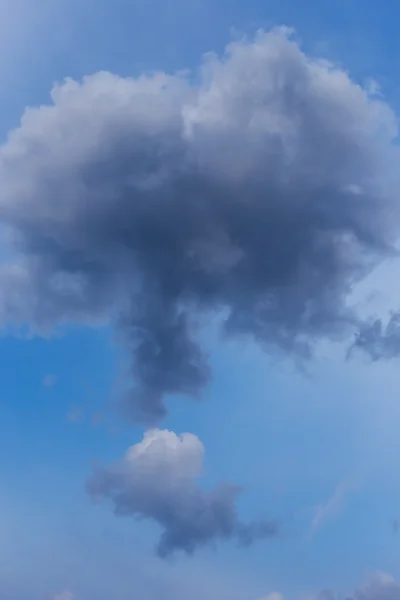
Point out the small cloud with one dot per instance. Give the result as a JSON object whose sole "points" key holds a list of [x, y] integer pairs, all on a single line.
{"points": [[333, 505], [373, 88], [380, 586], [49, 380], [75, 415], [66, 595], [97, 418]]}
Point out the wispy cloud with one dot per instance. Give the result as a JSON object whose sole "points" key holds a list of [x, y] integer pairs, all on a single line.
{"points": [[65, 595], [49, 380], [76, 415], [334, 505]]}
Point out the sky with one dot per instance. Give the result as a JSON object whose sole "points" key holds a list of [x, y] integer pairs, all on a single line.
{"points": [[199, 235]]}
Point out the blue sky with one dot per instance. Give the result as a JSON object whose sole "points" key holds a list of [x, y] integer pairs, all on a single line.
{"points": [[317, 448]]}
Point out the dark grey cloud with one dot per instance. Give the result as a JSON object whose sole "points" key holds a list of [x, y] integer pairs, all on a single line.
{"points": [[252, 189], [158, 479]]}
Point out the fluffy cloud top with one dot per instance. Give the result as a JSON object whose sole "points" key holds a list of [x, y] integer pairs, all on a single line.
{"points": [[255, 188], [158, 479]]}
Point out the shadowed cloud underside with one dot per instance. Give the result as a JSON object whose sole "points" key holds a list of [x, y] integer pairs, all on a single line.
{"points": [[254, 188]]}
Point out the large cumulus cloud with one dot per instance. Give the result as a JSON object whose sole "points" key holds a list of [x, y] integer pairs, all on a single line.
{"points": [[158, 479], [253, 188]]}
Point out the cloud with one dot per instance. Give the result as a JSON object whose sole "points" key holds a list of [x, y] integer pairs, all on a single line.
{"points": [[255, 188], [379, 340], [333, 505], [66, 595], [49, 380], [76, 415], [158, 479], [380, 586]]}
